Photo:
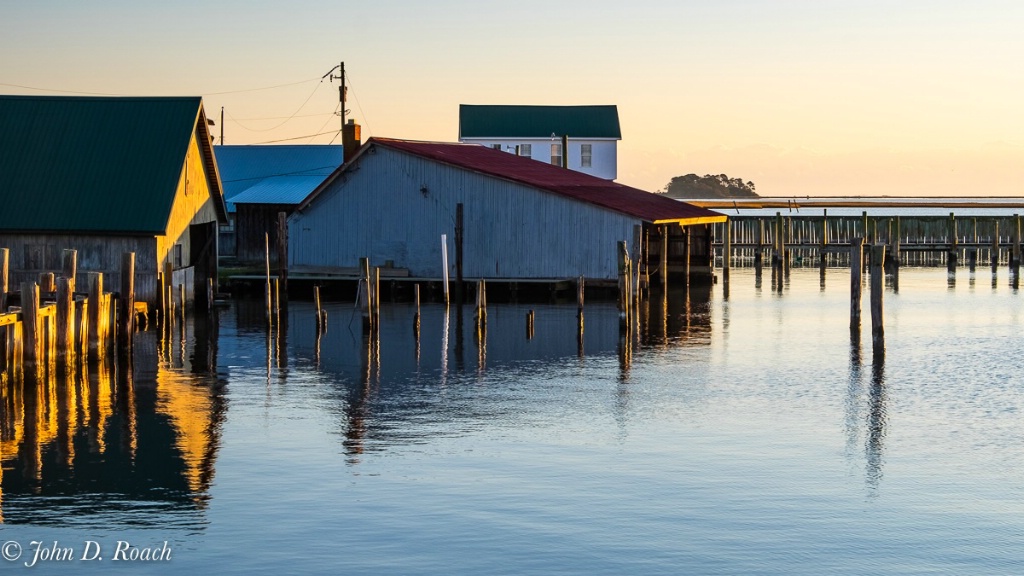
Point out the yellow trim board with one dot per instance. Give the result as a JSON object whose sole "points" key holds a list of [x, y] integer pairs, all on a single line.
{"points": [[694, 221]]}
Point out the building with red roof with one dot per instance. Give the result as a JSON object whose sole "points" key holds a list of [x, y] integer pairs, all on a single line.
{"points": [[521, 219]]}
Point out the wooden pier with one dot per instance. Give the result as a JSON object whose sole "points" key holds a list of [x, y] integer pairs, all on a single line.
{"points": [[813, 237], [57, 324]]}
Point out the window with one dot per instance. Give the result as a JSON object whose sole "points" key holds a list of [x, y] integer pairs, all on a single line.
{"points": [[177, 256], [586, 153], [556, 154], [526, 150], [496, 147]]}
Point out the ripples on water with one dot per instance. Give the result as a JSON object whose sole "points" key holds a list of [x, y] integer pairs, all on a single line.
{"points": [[731, 436]]}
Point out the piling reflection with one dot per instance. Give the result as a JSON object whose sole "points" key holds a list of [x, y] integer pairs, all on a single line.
{"points": [[866, 410], [84, 440], [377, 383]]}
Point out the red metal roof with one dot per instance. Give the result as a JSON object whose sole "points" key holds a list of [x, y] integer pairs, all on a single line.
{"points": [[647, 206]]}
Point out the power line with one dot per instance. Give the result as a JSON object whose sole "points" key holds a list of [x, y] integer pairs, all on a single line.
{"points": [[294, 173], [297, 137], [296, 116], [39, 89], [61, 91], [324, 125], [286, 120], [257, 89]]}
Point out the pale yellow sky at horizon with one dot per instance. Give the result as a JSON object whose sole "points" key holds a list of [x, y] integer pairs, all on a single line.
{"points": [[802, 97]]}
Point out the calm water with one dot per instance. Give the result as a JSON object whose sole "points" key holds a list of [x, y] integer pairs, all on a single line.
{"points": [[746, 435]]}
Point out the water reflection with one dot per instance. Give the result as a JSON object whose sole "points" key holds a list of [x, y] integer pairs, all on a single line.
{"points": [[380, 382], [83, 442], [866, 412]]}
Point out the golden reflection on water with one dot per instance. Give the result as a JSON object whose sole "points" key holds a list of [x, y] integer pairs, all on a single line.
{"points": [[61, 427]]}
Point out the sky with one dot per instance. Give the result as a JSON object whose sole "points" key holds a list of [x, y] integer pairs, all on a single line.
{"points": [[802, 97]]}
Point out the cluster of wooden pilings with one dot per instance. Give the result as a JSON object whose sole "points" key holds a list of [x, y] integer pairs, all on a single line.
{"points": [[56, 323]]}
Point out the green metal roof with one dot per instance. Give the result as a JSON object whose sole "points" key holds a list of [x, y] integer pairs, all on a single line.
{"points": [[84, 164], [476, 121]]}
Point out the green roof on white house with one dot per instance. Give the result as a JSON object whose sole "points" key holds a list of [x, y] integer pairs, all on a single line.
{"points": [[497, 121]]}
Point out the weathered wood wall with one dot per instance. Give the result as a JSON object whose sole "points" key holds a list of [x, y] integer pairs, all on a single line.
{"points": [[32, 254], [252, 222], [395, 207]]}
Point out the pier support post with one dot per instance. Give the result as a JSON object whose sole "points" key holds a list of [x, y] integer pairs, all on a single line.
{"points": [[5, 255], [624, 278], [877, 290], [664, 256], [65, 320], [726, 247], [856, 266], [126, 303], [31, 328], [267, 299], [282, 250], [365, 299], [994, 255], [1015, 252], [95, 314]]}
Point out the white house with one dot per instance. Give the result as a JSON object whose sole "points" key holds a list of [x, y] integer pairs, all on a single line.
{"points": [[537, 132]]}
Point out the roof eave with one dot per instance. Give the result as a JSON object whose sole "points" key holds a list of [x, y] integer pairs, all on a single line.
{"points": [[694, 220]]}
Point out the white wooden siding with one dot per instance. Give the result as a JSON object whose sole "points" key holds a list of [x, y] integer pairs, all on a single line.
{"points": [[604, 157]]}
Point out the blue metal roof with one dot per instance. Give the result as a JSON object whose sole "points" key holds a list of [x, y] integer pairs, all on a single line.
{"points": [[279, 190], [282, 174]]}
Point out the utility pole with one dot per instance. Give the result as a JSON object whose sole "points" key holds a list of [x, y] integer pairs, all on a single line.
{"points": [[342, 90], [221, 125]]}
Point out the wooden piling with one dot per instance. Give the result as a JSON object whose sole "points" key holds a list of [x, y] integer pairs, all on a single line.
{"points": [[624, 278], [1015, 252], [856, 266], [126, 303], [167, 292], [444, 267], [65, 320], [365, 298], [759, 248], [266, 260], [319, 310], [47, 283], [877, 289], [664, 257], [95, 314], [579, 314], [481, 302], [282, 249], [727, 247], [688, 243], [69, 266], [994, 257], [529, 325], [972, 259], [5, 255], [31, 329], [376, 297], [416, 318]]}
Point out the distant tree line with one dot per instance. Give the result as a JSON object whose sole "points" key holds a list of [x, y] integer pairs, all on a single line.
{"points": [[709, 186]]}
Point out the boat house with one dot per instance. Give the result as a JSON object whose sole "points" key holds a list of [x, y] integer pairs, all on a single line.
{"points": [[105, 176], [516, 218]]}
